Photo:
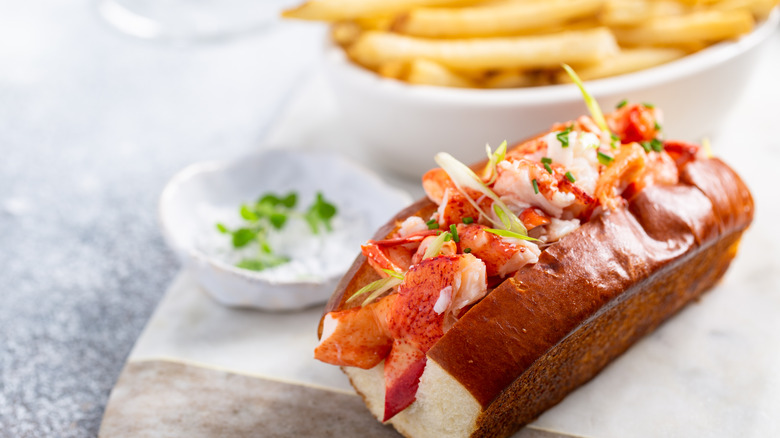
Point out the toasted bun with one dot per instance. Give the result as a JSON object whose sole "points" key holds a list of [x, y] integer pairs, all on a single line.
{"points": [[555, 324]]}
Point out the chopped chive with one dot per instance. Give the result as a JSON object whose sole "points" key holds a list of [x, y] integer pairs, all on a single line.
{"points": [[563, 136], [615, 141], [454, 232], [547, 161], [432, 224], [448, 237], [621, 104], [466, 250], [646, 145], [468, 220], [604, 158], [657, 126], [648, 105], [536, 186], [657, 145], [569, 176]]}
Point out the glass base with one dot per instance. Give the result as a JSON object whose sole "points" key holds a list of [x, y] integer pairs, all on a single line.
{"points": [[191, 20]]}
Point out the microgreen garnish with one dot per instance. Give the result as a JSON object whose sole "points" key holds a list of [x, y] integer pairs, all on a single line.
{"points": [[648, 105], [319, 214], [604, 158], [494, 159], [271, 212], [432, 224], [507, 233], [258, 264], [563, 136], [463, 177], [646, 146], [569, 176], [592, 104], [435, 247], [454, 232], [536, 186], [468, 220], [656, 126], [657, 145], [621, 104], [466, 250]]}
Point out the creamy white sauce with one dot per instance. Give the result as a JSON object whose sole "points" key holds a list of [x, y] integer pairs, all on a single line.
{"points": [[313, 257]]}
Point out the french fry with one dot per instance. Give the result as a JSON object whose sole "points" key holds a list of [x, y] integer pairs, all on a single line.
{"points": [[576, 47], [521, 43], [425, 72], [759, 8], [493, 19], [336, 10], [697, 26], [375, 22], [511, 79], [344, 33], [393, 69], [627, 61], [635, 12]]}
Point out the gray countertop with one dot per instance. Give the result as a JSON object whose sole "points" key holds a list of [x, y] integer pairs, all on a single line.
{"points": [[92, 124]]}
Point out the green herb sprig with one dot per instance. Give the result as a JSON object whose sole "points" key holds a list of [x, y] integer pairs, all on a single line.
{"points": [[269, 213]]}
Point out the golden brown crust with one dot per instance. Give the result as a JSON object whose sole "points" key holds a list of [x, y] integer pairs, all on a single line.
{"points": [[625, 272], [557, 323], [581, 355], [573, 281]]}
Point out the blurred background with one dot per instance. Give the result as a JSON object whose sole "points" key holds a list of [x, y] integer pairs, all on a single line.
{"points": [[93, 123]]}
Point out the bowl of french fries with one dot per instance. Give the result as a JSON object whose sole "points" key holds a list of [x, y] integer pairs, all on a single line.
{"points": [[414, 77]]}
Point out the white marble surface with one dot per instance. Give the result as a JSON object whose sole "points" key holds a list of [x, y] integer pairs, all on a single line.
{"points": [[190, 326], [710, 371]]}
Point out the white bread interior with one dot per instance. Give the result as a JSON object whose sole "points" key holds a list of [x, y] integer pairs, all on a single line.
{"points": [[443, 409]]}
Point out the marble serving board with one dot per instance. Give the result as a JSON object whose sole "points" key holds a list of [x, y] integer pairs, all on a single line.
{"points": [[203, 370]]}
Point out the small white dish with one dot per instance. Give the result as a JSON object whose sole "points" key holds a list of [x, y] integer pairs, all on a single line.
{"points": [[203, 194]]}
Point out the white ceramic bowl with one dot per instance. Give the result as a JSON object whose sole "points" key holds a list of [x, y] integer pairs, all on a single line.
{"points": [[405, 125], [206, 193]]}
